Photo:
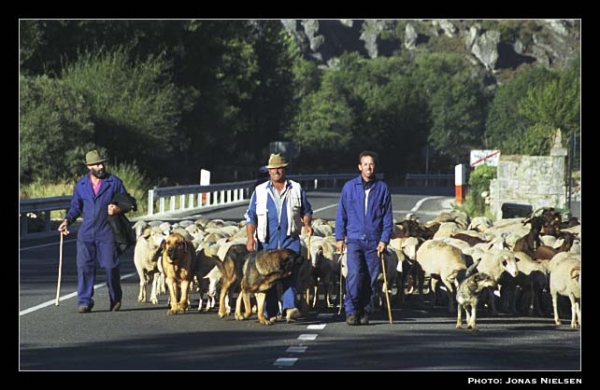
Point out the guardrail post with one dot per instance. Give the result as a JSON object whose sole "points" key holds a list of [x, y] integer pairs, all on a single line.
{"points": [[150, 202]]}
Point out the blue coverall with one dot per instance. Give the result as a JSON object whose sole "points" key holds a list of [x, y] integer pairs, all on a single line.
{"points": [[95, 237], [363, 230]]}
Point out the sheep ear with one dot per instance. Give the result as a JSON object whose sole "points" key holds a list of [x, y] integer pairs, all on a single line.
{"points": [[575, 272]]}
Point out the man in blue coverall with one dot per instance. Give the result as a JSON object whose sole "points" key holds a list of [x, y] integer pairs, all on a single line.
{"points": [[92, 198], [277, 212], [364, 219]]}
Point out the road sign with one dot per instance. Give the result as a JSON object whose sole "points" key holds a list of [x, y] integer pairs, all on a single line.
{"points": [[487, 157]]}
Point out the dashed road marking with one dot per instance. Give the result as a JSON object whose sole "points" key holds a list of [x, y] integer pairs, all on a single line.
{"points": [[285, 362], [296, 349], [317, 326], [307, 336]]}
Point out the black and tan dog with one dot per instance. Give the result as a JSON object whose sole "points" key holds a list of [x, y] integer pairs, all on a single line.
{"points": [[230, 268], [178, 260], [261, 270]]}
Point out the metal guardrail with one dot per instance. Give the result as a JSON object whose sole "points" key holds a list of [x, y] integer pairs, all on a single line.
{"points": [[41, 207], [198, 197], [429, 179], [166, 200]]}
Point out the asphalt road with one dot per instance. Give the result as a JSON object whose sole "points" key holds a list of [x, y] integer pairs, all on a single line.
{"points": [[142, 337]]}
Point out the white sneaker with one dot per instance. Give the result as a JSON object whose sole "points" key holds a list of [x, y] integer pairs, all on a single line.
{"points": [[292, 315]]}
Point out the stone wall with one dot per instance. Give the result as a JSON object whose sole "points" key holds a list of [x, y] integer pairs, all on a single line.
{"points": [[534, 180]]}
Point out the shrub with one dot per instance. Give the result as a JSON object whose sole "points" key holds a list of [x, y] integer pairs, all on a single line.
{"points": [[479, 182]]}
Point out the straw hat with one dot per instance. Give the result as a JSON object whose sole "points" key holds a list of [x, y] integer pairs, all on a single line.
{"points": [[276, 161]]}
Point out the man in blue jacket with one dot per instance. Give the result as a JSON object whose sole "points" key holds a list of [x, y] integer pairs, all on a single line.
{"points": [[364, 219], [92, 198]]}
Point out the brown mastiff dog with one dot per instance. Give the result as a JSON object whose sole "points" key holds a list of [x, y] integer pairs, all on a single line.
{"points": [[178, 259], [261, 270]]}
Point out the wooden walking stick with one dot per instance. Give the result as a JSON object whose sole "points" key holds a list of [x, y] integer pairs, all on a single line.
{"points": [[60, 256], [308, 257], [387, 294], [341, 296]]}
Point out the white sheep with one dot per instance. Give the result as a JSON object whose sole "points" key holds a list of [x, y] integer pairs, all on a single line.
{"points": [[440, 261], [533, 280], [565, 280], [501, 265], [145, 257]]}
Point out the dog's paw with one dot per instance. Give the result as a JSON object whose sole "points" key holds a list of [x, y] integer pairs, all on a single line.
{"points": [[238, 316]]}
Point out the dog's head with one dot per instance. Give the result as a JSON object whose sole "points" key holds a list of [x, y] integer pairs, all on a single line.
{"points": [[484, 280], [176, 247], [289, 259]]}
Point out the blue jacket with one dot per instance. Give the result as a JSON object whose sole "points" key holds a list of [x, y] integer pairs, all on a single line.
{"points": [[94, 208], [351, 221]]}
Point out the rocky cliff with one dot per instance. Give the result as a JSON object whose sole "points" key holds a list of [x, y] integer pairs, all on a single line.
{"points": [[496, 45]]}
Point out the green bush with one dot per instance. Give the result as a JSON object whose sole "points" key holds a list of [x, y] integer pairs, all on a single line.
{"points": [[479, 182]]}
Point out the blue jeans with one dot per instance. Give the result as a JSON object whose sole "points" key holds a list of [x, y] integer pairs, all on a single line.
{"points": [[288, 287]]}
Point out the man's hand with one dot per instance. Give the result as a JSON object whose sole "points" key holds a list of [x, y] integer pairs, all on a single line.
{"points": [[62, 228], [381, 248], [113, 209], [251, 244], [340, 246]]}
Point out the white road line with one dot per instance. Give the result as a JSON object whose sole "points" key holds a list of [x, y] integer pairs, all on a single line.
{"points": [[325, 208], [307, 336], [316, 326], [285, 362], [419, 203], [296, 349], [65, 297], [45, 245]]}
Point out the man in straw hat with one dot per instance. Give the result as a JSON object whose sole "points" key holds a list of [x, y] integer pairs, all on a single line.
{"points": [[92, 198], [277, 213]]}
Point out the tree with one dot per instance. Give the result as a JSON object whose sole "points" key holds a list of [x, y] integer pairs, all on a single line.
{"points": [[131, 103], [506, 126], [55, 129], [456, 103], [550, 106]]}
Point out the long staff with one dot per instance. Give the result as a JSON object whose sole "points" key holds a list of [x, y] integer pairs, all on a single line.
{"points": [[341, 300], [60, 257], [387, 294]]}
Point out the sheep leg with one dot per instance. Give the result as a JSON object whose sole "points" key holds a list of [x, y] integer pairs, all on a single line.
{"points": [[575, 313], [143, 282], [555, 307], [450, 292], [154, 292]]}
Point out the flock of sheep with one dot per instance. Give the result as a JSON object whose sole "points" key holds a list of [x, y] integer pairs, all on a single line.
{"points": [[514, 266]]}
